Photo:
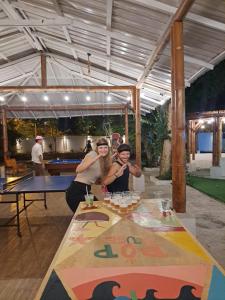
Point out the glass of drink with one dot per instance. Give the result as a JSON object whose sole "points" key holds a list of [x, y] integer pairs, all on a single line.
{"points": [[107, 198], [123, 205], [116, 199], [89, 198], [165, 204], [137, 195]]}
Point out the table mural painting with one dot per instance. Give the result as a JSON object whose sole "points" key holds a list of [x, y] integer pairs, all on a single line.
{"points": [[143, 255]]}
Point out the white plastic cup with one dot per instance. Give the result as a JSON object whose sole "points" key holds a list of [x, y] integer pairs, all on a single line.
{"points": [[165, 203]]}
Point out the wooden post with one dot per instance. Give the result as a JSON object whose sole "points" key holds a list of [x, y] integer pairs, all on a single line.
{"points": [[138, 128], [178, 98], [126, 126], [214, 150], [217, 133], [173, 126], [219, 139], [35, 129], [43, 70], [189, 141], [193, 140], [133, 101], [4, 134]]}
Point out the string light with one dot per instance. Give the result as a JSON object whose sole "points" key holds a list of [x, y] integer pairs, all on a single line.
{"points": [[46, 97], [88, 97], [24, 98], [2, 98], [66, 98], [203, 127], [210, 121], [109, 98], [201, 121], [128, 97]]}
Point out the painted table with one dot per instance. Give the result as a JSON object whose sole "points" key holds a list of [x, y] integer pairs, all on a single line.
{"points": [[141, 256], [56, 166]]}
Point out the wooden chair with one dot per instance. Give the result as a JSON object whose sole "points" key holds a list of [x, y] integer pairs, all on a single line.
{"points": [[11, 164]]}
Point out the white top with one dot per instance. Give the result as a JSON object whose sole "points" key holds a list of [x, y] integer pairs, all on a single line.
{"points": [[90, 175], [36, 152]]}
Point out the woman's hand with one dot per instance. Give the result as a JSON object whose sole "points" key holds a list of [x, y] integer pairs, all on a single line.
{"points": [[134, 170], [120, 171]]}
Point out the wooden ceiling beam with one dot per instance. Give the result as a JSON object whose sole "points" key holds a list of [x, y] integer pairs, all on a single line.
{"points": [[64, 88], [206, 114], [66, 107]]}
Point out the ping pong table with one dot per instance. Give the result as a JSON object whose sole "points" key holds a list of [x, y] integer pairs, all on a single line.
{"points": [[29, 184]]}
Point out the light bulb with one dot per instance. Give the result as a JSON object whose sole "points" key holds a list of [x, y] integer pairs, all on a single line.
{"points": [[24, 98], [46, 97]]}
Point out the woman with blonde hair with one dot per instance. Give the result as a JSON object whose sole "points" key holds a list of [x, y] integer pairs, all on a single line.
{"points": [[93, 167]]}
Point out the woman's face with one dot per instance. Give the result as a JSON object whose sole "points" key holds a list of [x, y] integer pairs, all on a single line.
{"points": [[103, 150], [124, 156]]}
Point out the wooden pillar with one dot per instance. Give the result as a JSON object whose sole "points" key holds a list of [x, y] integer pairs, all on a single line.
{"points": [[4, 134], [126, 126], [138, 128], [43, 70], [35, 129], [217, 134], [189, 141], [133, 102], [219, 139], [178, 99], [193, 140], [174, 122]]}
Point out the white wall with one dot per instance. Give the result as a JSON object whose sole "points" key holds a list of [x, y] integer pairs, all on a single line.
{"points": [[72, 143]]}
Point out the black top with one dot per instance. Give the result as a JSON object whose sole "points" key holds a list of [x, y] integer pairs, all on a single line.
{"points": [[120, 184]]}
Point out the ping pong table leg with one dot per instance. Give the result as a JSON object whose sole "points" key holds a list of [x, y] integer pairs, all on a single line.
{"points": [[45, 201], [24, 201], [18, 216]]}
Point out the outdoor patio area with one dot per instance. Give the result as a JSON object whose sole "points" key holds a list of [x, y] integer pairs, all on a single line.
{"points": [[43, 230]]}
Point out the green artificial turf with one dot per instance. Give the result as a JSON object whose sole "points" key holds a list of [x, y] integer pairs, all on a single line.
{"points": [[213, 187]]}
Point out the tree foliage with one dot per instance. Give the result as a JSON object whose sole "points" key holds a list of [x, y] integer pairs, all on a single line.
{"points": [[154, 132]]}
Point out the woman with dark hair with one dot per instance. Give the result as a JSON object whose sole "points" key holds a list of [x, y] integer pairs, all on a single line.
{"points": [[93, 167], [117, 180]]}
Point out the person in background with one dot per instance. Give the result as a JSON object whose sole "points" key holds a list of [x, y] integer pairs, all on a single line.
{"points": [[94, 166], [117, 180], [37, 156], [88, 147]]}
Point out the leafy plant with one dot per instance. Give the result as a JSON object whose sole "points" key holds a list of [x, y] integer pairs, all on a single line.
{"points": [[154, 132]]}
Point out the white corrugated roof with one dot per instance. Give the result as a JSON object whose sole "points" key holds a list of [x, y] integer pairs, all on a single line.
{"points": [[120, 35]]}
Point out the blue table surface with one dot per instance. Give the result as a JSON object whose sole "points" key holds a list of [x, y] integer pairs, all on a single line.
{"points": [[64, 161], [43, 184]]}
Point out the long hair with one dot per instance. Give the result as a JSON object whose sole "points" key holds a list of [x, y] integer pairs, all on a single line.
{"points": [[106, 161]]}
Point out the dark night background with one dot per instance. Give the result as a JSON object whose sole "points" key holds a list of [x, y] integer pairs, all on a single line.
{"points": [[207, 93]]}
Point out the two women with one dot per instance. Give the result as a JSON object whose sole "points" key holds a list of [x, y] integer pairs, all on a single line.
{"points": [[98, 165]]}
